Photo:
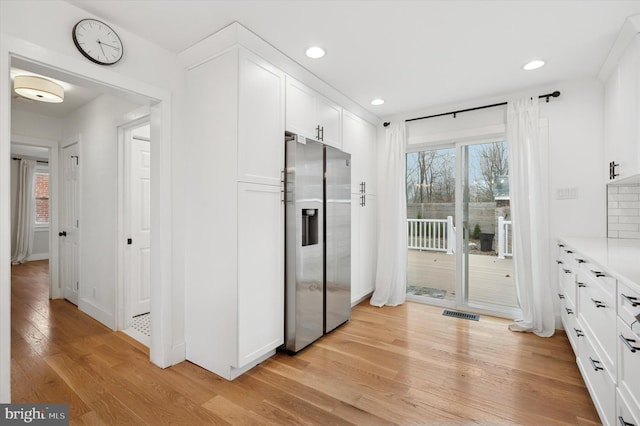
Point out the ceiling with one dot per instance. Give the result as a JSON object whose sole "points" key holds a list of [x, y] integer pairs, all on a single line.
{"points": [[414, 54]]}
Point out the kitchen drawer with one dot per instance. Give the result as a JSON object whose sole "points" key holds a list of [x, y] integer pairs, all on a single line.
{"points": [[597, 312], [598, 380], [629, 305], [567, 281], [629, 364], [625, 414]]}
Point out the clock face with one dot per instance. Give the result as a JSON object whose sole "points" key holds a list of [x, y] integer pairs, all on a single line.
{"points": [[97, 42]]}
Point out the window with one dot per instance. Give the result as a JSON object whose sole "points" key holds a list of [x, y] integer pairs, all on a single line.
{"points": [[41, 192]]}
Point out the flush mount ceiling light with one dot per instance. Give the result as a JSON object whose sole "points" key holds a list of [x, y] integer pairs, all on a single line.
{"points": [[533, 65], [315, 52], [377, 101], [38, 89]]}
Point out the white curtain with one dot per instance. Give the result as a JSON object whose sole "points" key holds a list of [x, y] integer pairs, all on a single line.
{"points": [[391, 273], [529, 210], [24, 218]]}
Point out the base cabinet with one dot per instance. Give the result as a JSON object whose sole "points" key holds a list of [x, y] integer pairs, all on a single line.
{"points": [[363, 246], [599, 327]]}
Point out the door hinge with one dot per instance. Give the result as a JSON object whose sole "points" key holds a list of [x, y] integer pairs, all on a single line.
{"points": [[129, 241]]}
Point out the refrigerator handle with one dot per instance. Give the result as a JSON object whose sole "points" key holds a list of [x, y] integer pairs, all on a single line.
{"points": [[282, 185]]}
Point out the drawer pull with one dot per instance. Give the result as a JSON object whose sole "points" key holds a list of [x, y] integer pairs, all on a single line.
{"points": [[598, 303], [580, 260], [628, 342], [594, 362], [581, 284], [559, 262], [623, 422], [560, 245], [569, 311], [633, 300], [566, 271], [579, 333], [568, 251], [598, 274], [561, 296]]}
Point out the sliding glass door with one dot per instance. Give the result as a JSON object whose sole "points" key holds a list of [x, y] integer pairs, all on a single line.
{"points": [[459, 227]]}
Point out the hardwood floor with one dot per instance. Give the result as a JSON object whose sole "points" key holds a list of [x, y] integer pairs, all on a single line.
{"points": [[401, 365]]}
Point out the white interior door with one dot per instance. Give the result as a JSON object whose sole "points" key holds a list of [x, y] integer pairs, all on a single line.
{"points": [[69, 254], [140, 223]]}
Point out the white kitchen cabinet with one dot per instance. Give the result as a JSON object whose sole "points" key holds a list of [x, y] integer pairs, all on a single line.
{"points": [[235, 271], [359, 139], [622, 115], [311, 115], [363, 246], [600, 325]]}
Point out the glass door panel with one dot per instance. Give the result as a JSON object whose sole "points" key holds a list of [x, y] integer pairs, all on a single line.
{"points": [[431, 182]]}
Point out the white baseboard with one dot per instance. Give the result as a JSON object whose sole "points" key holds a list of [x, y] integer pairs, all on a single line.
{"points": [[97, 313], [37, 256]]}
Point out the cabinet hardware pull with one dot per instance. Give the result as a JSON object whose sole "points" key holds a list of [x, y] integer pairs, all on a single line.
{"points": [[612, 170], [322, 133], [561, 296], [569, 311], [566, 271], [633, 300], [62, 234], [580, 260], [560, 245], [628, 342], [598, 303], [598, 274], [568, 251], [318, 132], [623, 422], [594, 362], [559, 262], [581, 284], [579, 333]]}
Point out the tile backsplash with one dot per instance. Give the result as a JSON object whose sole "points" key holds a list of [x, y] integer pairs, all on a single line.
{"points": [[623, 211]]}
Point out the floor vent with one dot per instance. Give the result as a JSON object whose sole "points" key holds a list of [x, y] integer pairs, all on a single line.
{"points": [[142, 323], [462, 315]]}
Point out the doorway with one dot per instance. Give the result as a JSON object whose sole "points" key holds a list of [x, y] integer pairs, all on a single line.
{"points": [[459, 227]]}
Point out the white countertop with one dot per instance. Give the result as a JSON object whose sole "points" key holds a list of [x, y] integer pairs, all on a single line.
{"points": [[620, 258]]}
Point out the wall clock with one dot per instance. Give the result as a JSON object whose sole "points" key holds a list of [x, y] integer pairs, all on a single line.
{"points": [[97, 41]]}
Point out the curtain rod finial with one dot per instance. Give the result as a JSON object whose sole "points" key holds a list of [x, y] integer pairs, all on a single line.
{"points": [[386, 123]]}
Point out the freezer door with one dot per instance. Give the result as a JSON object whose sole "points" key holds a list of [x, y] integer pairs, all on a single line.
{"points": [[304, 248], [338, 238]]}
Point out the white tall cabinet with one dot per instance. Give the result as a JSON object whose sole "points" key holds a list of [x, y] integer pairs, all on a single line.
{"points": [[359, 139], [235, 271]]}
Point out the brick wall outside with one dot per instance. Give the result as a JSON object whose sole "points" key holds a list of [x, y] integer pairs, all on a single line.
{"points": [[41, 189]]}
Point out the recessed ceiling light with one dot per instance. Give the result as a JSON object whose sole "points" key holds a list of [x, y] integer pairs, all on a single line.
{"points": [[315, 52], [533, 65], [377, 101]]}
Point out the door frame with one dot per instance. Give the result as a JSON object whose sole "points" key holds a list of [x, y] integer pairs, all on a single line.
{"points": [[123, 289], [55, 291], [163, 350]]}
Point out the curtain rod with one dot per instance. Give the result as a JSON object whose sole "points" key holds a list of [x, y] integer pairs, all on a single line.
{"points": [[37, 161], [454, 113]]}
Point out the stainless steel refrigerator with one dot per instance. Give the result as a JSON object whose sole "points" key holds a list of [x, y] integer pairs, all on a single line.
{"points": [[317, 240]]}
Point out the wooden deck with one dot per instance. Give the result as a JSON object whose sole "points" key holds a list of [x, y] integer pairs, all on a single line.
{"points": [[490, 278]]}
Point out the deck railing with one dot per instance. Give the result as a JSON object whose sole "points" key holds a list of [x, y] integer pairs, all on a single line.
{"points": [[432, 234], [505, 238]]}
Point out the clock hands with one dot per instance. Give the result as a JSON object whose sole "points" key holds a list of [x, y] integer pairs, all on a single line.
{"points": [[108, 45]]}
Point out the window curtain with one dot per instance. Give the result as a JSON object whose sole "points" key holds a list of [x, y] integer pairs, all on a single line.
{"points": [[529, 210], [24, 219], [391, 272]]}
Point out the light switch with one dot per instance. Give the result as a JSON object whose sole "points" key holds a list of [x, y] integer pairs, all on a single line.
{"points": [[568, 193]]}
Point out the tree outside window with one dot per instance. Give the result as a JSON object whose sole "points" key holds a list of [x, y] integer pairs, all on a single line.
{"points": [[41, 190]]}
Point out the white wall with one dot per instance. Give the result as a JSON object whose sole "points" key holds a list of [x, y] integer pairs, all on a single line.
{"points": [[147, 70], [576, 149], [97, 124]]}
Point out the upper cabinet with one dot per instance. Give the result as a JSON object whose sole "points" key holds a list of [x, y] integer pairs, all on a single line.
{"points": [[622, 113], [311, 115], [359, 139]]}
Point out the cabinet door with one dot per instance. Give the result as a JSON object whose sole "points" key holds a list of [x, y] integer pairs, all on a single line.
{"points": [[260, 271], [629, 364], [329, 118], [357, 289], [368, 244], [261, 122], [300, 109], [622, 99], [370, 161], [352, 137]]}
